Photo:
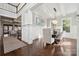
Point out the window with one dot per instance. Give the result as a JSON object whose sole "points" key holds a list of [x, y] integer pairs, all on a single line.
{"points": [[66, 25]]}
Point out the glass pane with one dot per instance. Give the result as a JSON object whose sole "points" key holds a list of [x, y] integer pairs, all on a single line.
{"points": [[66, 25]]}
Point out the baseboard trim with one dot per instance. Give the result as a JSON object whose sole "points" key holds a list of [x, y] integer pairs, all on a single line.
{"points": [[26, 43]]}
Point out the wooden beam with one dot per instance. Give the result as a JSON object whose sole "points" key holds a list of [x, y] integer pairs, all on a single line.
{"points": [[18, 4], [12, 5], [21, 8]]}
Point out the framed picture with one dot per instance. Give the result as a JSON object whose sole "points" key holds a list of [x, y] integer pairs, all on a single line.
{"points": [[38, 21]]}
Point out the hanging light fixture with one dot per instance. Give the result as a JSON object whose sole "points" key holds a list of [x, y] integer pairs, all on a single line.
{"points": [[54, 21]]}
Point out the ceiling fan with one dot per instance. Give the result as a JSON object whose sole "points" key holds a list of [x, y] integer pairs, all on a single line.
{"points": [[55, 9], [55, 13], [54, 21]]}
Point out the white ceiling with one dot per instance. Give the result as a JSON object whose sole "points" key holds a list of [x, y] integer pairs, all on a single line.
{"points": [[46, 10]]}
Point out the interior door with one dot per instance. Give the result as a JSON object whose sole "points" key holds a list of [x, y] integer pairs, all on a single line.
{"points": [[5, 29]]}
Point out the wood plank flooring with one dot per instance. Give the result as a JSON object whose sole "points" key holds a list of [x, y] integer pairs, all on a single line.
{"points": [[37, 49]]}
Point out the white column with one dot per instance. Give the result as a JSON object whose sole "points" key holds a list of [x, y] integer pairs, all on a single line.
{"points": [[26, 24]]}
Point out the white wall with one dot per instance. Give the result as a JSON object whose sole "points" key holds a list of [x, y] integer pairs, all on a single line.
{"points": [[7, 13], [73, 26], [30, 31], [77, 23], [27, 18], [78, 38], [26, 22]]}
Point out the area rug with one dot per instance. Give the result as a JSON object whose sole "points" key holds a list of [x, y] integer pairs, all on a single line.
{"points": [[11, 44]]}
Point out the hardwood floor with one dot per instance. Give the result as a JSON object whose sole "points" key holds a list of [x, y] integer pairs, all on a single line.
{"points": [[65, 48]]}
